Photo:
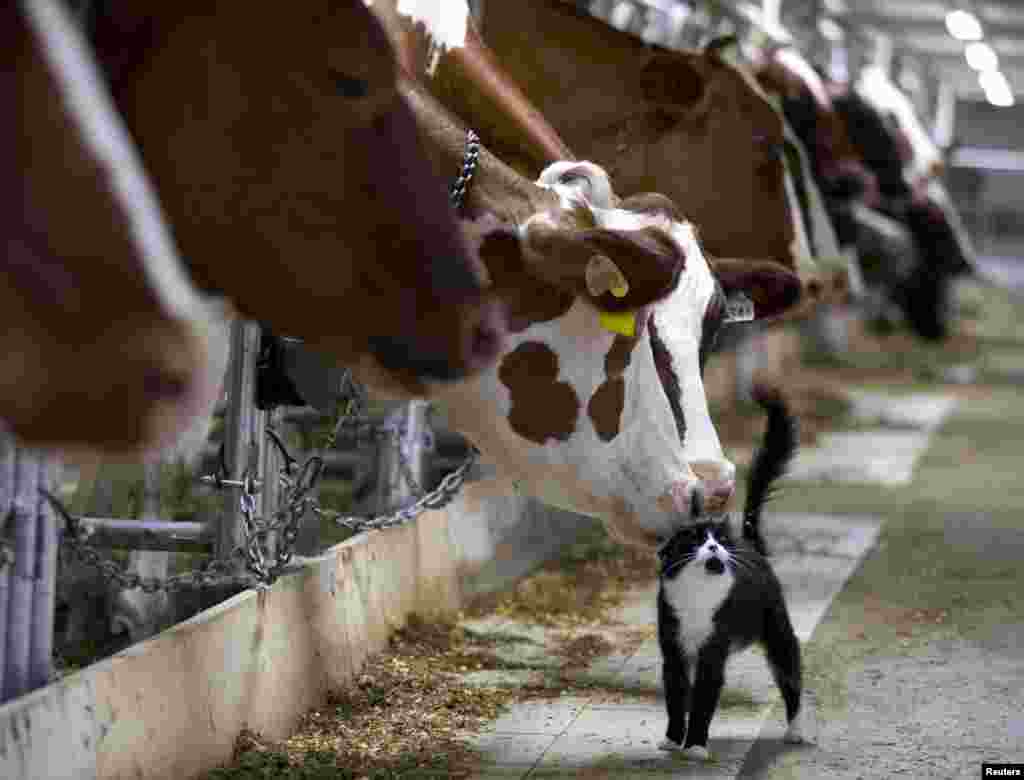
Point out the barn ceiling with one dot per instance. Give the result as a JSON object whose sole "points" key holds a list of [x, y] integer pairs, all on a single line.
{"points": [[918, 27]]}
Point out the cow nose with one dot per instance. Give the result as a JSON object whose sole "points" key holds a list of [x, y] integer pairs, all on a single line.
{"points": [[717, 493], [719, 481]]}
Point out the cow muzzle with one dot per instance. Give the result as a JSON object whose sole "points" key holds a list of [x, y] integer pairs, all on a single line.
{"points": [[718, 484]]}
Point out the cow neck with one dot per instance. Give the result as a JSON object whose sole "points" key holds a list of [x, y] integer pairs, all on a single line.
{"points": [[496, 188], [565, 59], [583, 74], [476, 87]]}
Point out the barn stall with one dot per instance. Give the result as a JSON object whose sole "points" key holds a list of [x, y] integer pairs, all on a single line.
{"points": [[383, 525]]}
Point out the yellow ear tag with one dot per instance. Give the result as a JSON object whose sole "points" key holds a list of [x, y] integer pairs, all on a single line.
{"points": [[624, 323], [620, 291]]}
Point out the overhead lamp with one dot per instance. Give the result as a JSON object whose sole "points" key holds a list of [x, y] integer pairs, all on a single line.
{"points": [[1000, 99], [981, 56], [993, 79], [997, 88], [963, 25]]}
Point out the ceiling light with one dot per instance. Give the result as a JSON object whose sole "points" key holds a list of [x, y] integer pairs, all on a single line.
{"points": [[993, 79], [999, 98], [963, 26], [981, 56], [997, 89], [829, 29]]}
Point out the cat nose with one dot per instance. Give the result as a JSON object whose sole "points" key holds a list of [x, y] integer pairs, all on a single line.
{"points": [[712, 548]]}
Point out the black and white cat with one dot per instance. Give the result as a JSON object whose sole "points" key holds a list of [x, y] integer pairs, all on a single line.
{"points": [[717, 596]]}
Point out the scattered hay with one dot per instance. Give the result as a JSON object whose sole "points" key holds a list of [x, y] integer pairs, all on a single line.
{"points": [[579, 589], [579, 651], [403, 716], [408, 711]]}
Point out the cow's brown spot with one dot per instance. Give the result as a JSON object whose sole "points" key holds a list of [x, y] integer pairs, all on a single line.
{"points": [[606, 405], [542, 407]]}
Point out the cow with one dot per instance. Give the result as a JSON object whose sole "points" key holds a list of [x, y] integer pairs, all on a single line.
{"points": [[104, 340], [597, 403], [296, 185]]}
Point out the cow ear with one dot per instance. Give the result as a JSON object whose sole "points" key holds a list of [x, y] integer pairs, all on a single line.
{"points": [[673, 82], [616, 270], [768, 286]]}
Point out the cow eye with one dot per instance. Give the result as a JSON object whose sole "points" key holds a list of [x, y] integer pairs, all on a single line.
{"points": [[349, 86]]}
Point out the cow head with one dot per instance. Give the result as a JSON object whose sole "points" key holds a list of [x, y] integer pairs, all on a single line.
{"points": [[104, 343], [686, 124], [295, 181], [598, 405]]}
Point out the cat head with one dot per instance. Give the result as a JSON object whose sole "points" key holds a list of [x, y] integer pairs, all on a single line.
{"points": [[708, 544]]}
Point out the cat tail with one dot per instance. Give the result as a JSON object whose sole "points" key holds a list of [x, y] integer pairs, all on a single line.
{"points": [[781, 438]]}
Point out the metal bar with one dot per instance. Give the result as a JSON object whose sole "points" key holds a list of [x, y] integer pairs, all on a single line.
{"points": [[19, 644], [149, 534], [393, 488], [7, 458], [44, 592], [271, 462], [142, 614], [243, 430]]}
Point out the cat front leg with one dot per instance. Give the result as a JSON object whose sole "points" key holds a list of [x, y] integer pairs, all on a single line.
{"points": [[674, 675], [707, 689], [677, 698]]}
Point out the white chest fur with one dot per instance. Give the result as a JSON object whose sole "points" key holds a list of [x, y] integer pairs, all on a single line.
{"points": [[695, 596]]}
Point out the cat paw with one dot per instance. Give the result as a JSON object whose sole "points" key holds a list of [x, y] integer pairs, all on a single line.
{"points": [[669, 745], [697, 753], [794, 733]]}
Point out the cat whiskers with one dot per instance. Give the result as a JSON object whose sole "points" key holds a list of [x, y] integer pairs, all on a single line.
{"points": [[678, 564]]}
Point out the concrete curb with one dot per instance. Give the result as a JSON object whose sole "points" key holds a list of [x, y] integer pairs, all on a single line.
{"points": [[172, 706]]}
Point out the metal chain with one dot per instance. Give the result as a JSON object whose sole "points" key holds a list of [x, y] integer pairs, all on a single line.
{"points": [[354, 419], [218, 573], [286, 520], [457, 192]]}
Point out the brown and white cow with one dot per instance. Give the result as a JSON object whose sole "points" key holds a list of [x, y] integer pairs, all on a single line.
{"points": [[295, 181], [104, 341], [587, 414], [690, 125]]}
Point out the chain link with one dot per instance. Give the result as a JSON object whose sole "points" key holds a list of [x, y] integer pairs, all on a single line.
{"points": [[295, 502], [457, 191]]}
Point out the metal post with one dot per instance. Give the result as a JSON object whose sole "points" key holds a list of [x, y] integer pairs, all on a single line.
{"points": [[945, 115], [7, 458], [243, 431], [271, 462], [142, 614], [45, 587], [19, 626], [393, 488]]}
